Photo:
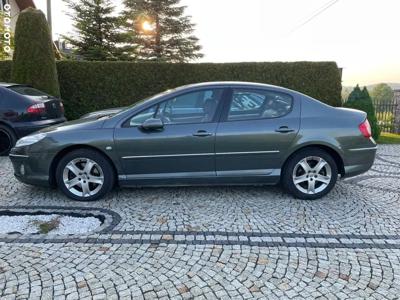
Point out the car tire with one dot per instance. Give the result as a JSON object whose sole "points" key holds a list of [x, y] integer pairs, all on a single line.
{"points": [[7, 140], [85, 175], [310, 174]]}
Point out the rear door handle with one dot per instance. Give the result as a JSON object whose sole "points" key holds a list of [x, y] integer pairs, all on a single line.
{"points": [[284, 129], [202, 133]]}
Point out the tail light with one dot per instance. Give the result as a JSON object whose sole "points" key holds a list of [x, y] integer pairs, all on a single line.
{"points": [[62, 107], [365, 129], [36, 109]]}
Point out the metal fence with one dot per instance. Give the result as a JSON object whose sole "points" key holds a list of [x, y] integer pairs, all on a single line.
{"points": [[386, 115]]}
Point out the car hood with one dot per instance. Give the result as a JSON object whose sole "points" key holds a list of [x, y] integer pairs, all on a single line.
{"points": [[80, 124], [102, 113]]}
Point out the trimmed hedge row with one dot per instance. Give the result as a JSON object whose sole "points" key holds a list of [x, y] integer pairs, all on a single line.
{"points": [[5, 70], [33, 58], [88, 86]]}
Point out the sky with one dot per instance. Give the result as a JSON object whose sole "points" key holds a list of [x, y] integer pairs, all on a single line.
{"points": [[362, 36]]}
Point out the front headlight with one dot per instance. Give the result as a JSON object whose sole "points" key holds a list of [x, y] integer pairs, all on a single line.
{"points": [[30, 139]]}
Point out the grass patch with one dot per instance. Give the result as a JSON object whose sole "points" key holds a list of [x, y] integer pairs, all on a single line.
{"points": [[389, 138], [46, 227]]}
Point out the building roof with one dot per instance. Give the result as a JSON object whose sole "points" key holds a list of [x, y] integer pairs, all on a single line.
{"points": [[22, 4]]}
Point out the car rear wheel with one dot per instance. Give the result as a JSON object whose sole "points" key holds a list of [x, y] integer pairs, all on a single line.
{"points": [[7, 140], [310, 174], [85, 175]]}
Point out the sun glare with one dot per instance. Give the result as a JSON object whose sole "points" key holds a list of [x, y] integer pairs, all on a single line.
{"points": [[147, 26]]}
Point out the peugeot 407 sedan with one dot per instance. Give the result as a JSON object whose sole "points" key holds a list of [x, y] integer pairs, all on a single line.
{"points": [[202, 134]]}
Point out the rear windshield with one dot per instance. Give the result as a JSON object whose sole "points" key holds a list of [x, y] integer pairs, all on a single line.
{"points": [[27, 90]]}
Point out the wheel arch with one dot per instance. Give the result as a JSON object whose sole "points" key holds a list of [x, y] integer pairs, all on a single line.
{"points": [[329, 149], [8, 125], [64, 151]]}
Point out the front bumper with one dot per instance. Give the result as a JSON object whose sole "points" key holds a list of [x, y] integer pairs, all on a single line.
{"points": [[32, 169]]}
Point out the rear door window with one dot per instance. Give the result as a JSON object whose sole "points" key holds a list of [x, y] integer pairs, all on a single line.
{"points": [[249, 104]]}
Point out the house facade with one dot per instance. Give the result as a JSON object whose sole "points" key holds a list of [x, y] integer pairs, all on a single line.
{"points": [[12, 8]]}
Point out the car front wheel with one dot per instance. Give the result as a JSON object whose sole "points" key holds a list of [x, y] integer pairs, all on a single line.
{"points": [[85, 175], [310, 174]]}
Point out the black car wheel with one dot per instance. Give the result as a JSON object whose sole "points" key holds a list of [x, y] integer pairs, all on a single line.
{"points": [[7, 140], [310, 174], [85, 175]]}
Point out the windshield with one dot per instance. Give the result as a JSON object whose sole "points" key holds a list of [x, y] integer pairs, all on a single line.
{"points": [[145, 100]]}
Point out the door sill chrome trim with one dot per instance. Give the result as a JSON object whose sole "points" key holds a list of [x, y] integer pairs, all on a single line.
{"points": [[364, 149], [167, 155], [18, 155], [167, 176], [250, 173], [199, 154], [248, 152]]}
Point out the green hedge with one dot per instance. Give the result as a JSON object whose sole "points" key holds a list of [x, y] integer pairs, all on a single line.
{"points": [[5, 70], [87, 86]]}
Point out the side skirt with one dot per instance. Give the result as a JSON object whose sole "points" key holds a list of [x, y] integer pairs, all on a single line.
{"points": [[230, 178]]}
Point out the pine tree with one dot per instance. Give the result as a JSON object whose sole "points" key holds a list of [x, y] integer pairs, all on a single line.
{"points": [[33, 60], [159, 31], [355, 95], [361, 100], [96, 26]]}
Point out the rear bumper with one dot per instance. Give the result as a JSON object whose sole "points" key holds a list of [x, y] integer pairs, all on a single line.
{"points": [[359, 160], [32, 169], [25, 128]]}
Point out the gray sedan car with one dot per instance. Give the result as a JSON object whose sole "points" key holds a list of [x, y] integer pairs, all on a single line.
{"points": [[202, 134]]}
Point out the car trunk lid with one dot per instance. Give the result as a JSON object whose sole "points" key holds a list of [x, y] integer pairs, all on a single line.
{"points": [[357, 115], [54, 108], [43, 106], [46, 108]]}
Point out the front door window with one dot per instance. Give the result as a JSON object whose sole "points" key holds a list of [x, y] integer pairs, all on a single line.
{"points": [[191, 108]]}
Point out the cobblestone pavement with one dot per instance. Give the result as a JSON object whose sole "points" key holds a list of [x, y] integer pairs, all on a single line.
{"points": [[219, 242]]}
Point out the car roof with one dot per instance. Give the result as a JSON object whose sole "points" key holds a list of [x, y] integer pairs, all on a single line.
{"points": [[233, 84]]}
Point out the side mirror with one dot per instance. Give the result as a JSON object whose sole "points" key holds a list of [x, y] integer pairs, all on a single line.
{"points": [[152, 124]]}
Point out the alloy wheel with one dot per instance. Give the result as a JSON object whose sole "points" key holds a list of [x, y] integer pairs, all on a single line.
{"points": [[312, 175], [83, 177]]}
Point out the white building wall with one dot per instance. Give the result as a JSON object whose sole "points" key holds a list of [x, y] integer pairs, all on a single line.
{"points": [[14, 13]]}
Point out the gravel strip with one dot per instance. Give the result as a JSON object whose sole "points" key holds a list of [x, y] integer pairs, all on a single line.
{"points": [[30, 224]]}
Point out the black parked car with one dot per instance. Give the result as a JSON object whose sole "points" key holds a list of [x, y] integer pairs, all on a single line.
{"points": [[24, 110]]}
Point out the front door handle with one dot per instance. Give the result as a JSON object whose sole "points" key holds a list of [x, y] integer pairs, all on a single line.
{"points": [[284, 129], [202, 133]]}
